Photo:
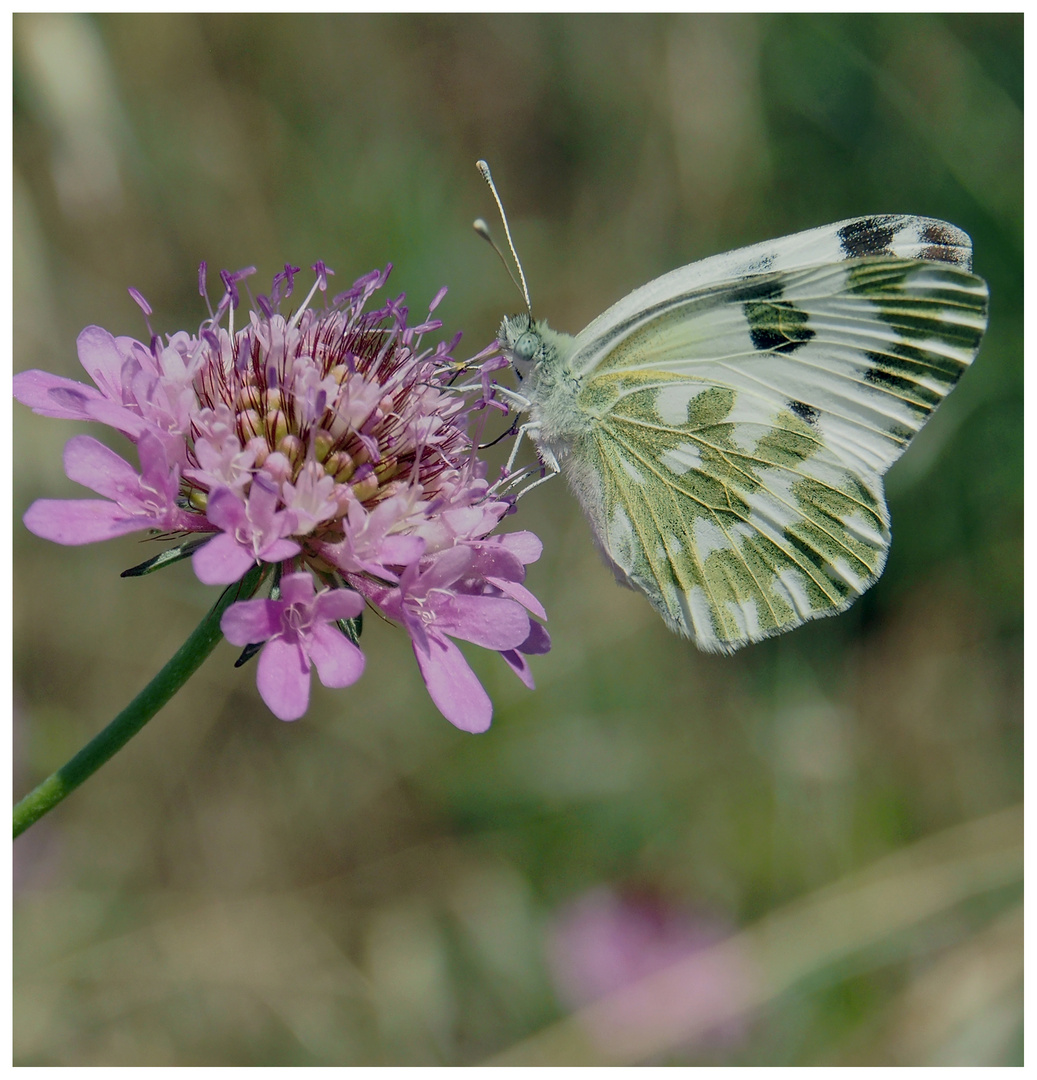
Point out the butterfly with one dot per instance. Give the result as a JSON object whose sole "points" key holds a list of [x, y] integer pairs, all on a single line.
{"points": [[726, 427]]}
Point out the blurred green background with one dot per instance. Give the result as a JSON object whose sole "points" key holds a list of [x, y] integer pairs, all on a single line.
{"points": [[369, 885]]}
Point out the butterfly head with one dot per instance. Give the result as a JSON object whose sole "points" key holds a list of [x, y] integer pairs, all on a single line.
{"points": [[522, 343]]}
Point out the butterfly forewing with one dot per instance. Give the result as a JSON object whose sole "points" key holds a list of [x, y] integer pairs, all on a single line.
{"points": [[733, 468], [888, 235]]}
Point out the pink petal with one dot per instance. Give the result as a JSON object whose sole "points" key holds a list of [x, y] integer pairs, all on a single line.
{"points": [[453, 687], [489, 621], [131, 424], [520, 593], [279, 550], [297, 588], [102, 360], [469, 521], [446, 568], [81, 521], [93, 465], [527, 546], [520, 665], [221, 561], [413, 625], [338, 604], [263, 495], [400, 550], [249, 621], [283, 679], [538, 642], [226, 510], [154, 464], [52, 395], [338, 661], [494, 560]]}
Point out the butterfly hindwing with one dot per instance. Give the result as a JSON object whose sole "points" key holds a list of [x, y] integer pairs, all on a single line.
{"points": [[738, 431], [734, 527]]}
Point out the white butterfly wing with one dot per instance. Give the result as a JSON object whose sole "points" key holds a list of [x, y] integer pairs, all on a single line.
{"points": [[728, 439], [892, 235]]}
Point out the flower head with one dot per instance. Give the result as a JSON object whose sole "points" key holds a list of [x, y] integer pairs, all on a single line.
{"points": [[327, 443], [296, 632]]}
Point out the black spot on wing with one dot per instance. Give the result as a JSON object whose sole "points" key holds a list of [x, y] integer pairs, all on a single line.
{"points": [[919, 398], [944, 243], [936, 253], [776, 325], [867, 236], [805, 412], [917, 363], [939, 232]]}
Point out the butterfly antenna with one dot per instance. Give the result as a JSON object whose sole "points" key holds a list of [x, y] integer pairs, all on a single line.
{"points": [[482, 229]]}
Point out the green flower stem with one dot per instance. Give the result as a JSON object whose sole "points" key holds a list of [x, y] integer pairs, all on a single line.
{"points": [[186, 661]]}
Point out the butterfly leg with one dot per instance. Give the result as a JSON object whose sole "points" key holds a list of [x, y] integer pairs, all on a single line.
{"points": [[525, 431], [513, 397], [512, 477], [547, 458], [549, 475]]}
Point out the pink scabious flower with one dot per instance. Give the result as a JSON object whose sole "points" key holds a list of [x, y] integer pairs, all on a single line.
{"points": [[611, 941], [327, 446], [296, 632]]}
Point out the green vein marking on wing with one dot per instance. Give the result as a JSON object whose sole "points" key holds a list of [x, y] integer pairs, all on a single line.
{"points": [[809, 568], [785, 443], [815, 539], [650, 576], [685, 574]]}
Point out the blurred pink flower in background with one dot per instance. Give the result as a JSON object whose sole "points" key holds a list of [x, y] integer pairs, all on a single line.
{"points": [[607, 941]]}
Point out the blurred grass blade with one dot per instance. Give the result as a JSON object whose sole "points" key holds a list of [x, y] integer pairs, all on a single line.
{"points": [[895, 894]]}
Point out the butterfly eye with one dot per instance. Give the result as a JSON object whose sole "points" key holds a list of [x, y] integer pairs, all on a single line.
{"points": [[526, 348]]}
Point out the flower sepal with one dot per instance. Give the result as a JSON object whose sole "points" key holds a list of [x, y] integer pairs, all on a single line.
{"points": [[248, 652], [166, 558]]}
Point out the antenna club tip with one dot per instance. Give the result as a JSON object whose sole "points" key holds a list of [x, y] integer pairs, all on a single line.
{"points": [[483, 168]]}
